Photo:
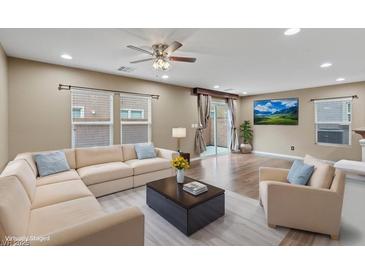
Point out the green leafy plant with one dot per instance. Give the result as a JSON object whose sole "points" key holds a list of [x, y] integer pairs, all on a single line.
{"points": [[246, 132]]}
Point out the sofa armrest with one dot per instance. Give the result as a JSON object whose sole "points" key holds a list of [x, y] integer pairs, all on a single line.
{"points": [[124, 227], [302, 207], [273, 174], [167, 153]]}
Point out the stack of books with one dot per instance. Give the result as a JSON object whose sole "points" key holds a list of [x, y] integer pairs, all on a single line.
{"points": [[195, 188]]}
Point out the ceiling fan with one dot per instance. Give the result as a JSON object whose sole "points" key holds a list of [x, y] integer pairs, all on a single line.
{"points": [[161, 55]]}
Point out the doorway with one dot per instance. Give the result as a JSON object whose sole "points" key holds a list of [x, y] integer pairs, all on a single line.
{"points": [[216, 135]]}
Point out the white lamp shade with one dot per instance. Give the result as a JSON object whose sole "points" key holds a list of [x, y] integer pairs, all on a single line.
{"points": [[179, 132]]}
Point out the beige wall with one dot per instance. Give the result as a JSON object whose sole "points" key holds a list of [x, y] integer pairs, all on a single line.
{"points": [[278, 139], [3, 109], [39, 114]]}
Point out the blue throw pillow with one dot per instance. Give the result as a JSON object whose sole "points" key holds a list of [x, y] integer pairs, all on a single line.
{"points": [[145, 151], [300, 173], [51, 163]]}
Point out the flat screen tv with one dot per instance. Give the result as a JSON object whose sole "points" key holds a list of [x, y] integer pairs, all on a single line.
{"points": [[276, 111]]}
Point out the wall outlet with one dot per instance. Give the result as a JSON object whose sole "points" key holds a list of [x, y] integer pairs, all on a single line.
{"points": [[292, 148]]}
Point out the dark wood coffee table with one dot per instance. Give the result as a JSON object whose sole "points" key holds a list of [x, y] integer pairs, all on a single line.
{"points": [[186, 212]]}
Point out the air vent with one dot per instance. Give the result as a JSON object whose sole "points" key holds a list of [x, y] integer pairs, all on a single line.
{"points": [[126, 69], [229, 89]]}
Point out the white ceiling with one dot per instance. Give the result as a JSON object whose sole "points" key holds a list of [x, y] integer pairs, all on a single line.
{"points": [[251, 60]]}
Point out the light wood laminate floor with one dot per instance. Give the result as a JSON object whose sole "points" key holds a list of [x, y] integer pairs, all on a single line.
{"points": [[235, 172], [243, 222]]}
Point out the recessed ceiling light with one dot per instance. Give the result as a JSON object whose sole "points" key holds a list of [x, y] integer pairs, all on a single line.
{"points": [[66, 56], [216, 86], [340, 79], [292, 31], [244, 93], [326, 65], [165, 76]]}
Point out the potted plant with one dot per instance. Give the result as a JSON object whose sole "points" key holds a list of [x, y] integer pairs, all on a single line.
{"points": [[180, 164], [247, 135]]}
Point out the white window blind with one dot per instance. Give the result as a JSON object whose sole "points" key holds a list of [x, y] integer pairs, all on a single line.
{"points": [[333, 121], [92, 118], [135, 118]]}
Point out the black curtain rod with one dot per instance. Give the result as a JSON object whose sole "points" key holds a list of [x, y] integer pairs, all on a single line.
{"points": [[329, 98], [69, 87]]}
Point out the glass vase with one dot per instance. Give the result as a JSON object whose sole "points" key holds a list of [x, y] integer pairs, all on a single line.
{"points": [[180, 174]]}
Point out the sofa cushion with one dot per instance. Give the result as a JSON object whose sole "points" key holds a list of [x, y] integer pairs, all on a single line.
{"points": [[148, 165], [71, 157], [51, 163], [300, 173], [104, 172], [98, 155], [145, 151], [45, 220], [323, 172], [166, 153], [14, 207], [28, 156], [129, 152], [59, 177], [59, 192], [24, 173]]}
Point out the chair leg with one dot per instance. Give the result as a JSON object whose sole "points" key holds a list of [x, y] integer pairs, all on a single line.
{"points": [[271, 225], [335, 237]]}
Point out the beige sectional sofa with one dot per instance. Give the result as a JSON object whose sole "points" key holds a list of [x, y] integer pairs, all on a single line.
{"points": [[61, 209]]}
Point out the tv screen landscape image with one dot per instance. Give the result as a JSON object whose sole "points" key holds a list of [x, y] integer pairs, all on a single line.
{"points": [[276, 112]]}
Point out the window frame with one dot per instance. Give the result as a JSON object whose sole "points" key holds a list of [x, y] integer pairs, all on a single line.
{"points": [[82, 111], [110, 123], [130, 112], [135, 121], [349, 123]]}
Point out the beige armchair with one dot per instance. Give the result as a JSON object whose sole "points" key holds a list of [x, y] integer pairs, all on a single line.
{"points": [[301, 207]]}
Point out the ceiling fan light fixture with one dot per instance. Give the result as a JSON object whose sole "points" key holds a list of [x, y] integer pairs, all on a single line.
{"points": [[161, 55], [161, 64], [166, 65]]}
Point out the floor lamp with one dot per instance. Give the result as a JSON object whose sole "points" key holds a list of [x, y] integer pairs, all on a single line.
{"points": [[178, 133]]}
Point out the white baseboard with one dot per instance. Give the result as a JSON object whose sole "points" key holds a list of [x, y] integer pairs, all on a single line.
{"points": [[195, 159], [284, 156], [277, 155]]}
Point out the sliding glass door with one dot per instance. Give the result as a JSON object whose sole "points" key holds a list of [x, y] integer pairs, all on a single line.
{"points": [[216, 135]]}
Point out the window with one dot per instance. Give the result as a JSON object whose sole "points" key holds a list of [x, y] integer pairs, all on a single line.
{"points": [[124, 114], [333, 121], [78, 112], [135, 114], [135, 117], [92, 118]]}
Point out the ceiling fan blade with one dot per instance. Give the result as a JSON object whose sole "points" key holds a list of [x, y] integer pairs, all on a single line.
{"points": [[139, 49], [174, 46], [143, 60], [182, 59]]}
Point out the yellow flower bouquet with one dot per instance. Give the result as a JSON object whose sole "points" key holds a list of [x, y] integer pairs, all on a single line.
{"points": [[180, 163]]}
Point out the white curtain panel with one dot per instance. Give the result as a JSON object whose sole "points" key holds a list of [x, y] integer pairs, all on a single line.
{"points": [[234, 143], [204, 103]]}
